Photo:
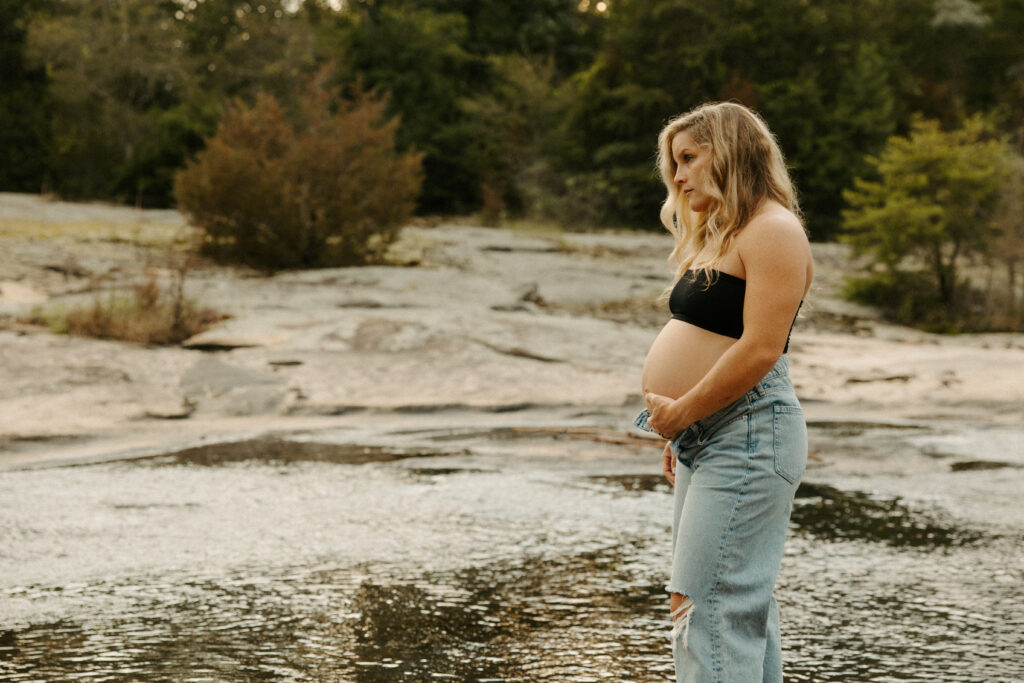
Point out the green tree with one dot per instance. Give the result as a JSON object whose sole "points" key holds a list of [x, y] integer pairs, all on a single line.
{"points": [[820, 73], [537, 29], [442, 60], [515, 123], [237, 48], [137, 84], [931, 209], [114, 66], [1008, 247], [24, 105], [419, 58]]}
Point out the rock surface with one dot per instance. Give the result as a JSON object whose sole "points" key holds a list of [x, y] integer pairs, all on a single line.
{"points": [[490, 320]]}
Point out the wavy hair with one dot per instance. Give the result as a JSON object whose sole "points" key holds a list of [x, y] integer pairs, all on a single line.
{"points": [[746, 169]]}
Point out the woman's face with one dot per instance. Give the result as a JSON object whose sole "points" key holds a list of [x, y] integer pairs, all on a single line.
{"points": [[691, 160]]}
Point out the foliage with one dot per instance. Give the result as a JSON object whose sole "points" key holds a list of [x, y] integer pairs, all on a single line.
{"points": [[24, 105], [514, 125], [535, 29], [420, 58], [931, 209], [1006, 309], [663, 57], [113, 66], [445, 62], [906, 298], [546, 107], [327, 189], [137, 84]]}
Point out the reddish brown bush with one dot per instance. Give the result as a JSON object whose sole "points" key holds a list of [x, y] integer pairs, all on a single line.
{"points": [[328, 189]]}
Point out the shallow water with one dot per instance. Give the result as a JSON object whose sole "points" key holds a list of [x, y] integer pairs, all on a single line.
{"points": [[494, 555]]}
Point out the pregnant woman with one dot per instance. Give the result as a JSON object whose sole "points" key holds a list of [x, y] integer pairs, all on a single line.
{"points": [[717, 388]]}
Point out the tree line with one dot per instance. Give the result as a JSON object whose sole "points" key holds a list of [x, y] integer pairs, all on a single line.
{"points": [[538, 108]]}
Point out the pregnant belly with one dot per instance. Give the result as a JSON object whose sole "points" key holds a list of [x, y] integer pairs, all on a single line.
{"points": [[680, 356]]}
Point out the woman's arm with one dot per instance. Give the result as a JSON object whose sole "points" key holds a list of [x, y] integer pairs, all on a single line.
{"points": [[775, 255]]}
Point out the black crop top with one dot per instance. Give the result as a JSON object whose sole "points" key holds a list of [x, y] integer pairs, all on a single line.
{"points": [[716, 306]]}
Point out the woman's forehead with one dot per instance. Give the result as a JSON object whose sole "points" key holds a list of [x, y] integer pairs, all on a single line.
{"points": [[682, 140]]}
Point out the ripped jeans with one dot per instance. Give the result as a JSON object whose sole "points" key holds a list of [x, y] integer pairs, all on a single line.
{"points": [[736, 476]]}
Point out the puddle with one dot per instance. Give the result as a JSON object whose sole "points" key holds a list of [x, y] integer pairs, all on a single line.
{"points": [[280, 451], [577, 618], [535, 557], [537, 619], [835, 515]]}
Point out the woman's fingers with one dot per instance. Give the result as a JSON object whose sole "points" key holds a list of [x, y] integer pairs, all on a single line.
{"points": [[668, 463], [656, 408]]}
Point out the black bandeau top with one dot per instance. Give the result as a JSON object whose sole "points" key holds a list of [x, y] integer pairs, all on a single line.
{"points": [[715, 305]]}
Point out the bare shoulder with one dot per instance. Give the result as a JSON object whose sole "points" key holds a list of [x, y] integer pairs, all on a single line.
{"points": [[775, 243], [776, 229]]}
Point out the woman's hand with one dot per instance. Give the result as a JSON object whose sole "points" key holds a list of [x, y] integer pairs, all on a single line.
{"points": [[668, 463], [661, 417]]}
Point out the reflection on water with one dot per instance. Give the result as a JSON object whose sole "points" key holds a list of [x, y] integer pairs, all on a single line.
{"points": [[529, 622], [542, 558], [832, 514]]}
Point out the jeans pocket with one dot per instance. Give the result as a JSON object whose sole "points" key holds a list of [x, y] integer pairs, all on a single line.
{"points": [[789, 431]]}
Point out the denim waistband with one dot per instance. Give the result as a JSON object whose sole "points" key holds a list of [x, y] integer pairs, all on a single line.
{"points": [[778, 375]]}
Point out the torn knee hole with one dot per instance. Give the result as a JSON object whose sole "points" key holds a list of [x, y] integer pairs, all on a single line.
{"points": [[682, 609], [680, 615]]}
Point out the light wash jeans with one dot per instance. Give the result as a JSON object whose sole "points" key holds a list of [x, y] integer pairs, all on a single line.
{"points": [[736, 475]]}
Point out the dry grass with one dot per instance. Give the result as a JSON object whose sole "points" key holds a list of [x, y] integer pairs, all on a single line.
{"points": [[533, 226], [150, 314], [141, 233]]}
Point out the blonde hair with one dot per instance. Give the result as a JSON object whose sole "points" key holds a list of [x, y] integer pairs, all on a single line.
{"points": [[745, 169]]}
